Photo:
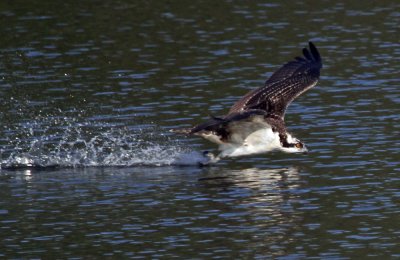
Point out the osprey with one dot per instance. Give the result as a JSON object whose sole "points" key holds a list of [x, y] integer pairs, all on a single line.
{"points": [[255, 123]]}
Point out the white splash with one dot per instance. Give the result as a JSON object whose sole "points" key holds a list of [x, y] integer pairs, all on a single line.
{"points": [[86, 145]]}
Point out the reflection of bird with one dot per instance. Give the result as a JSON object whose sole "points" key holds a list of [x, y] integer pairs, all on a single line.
{"points": [[254, 178], [255, 124]]}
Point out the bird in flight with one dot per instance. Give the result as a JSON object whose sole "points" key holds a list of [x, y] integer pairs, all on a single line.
{"points": [[255, 123]]}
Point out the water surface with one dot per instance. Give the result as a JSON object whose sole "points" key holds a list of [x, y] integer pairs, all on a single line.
{"points": [[89, 92]]}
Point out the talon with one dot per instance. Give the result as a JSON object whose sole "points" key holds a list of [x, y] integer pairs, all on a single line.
{"points": [[211, 158]]}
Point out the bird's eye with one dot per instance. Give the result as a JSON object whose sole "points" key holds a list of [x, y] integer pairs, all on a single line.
{"points": [[299, 145]]}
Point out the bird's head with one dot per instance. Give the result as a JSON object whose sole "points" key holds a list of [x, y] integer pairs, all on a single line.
{"points": [[293, 145]]}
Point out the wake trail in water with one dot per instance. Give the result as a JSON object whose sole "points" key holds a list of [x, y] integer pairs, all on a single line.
{"points": [[72, 144]]}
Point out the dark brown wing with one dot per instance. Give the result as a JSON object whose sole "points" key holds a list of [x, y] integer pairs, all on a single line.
{"points": [[287, 83]]}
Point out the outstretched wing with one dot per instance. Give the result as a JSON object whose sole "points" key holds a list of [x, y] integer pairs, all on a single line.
{"points": [[286, 84]]}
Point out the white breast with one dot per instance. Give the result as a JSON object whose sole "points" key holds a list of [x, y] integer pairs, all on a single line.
{"points": [[260, 141]]}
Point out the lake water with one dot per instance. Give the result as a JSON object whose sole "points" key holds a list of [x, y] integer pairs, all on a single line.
{"points": [[89, 91]]}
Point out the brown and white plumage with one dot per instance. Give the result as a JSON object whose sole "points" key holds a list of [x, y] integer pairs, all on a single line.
{"points": [[255, 123]]}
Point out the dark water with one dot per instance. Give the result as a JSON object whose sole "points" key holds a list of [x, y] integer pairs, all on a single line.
{"points": [[90, 90]]}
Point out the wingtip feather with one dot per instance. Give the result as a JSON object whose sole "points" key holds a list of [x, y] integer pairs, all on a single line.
{"points": [[315, 53], [307, 54]]}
